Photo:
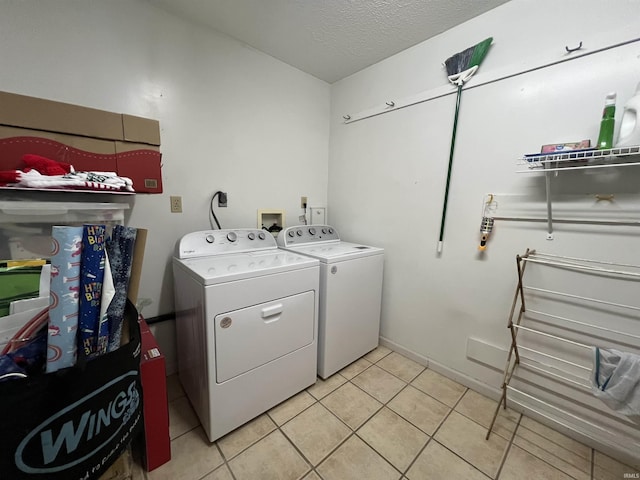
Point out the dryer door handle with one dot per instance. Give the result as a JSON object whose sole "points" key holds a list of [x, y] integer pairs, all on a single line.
{"points": [[272, 311]]}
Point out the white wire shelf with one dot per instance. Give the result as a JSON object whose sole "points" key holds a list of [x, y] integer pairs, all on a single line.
{"points": [[580, 159]]}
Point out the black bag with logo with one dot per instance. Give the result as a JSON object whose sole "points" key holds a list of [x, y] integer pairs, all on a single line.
{"points": [[74, 423]]}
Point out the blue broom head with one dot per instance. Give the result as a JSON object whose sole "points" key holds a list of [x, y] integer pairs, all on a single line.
{"points": [[468, 58]]}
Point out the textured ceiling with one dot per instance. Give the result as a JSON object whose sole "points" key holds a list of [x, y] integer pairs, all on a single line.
{"points": [[329, 39]]}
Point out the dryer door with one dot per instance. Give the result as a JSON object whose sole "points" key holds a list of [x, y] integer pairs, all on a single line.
{"points": [[250, 337]]}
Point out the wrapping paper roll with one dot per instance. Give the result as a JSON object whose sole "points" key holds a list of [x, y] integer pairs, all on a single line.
{"points": [[64, 294], [108, 291], [91, 279], [120, 251]]}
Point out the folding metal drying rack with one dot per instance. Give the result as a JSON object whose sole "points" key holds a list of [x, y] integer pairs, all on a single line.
{"points": [[606, 270]]}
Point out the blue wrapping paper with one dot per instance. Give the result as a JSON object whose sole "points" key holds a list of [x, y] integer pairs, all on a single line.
{"points": [[32, 356], [64, 294], [120, 253], [91, 278], [9, 370]]}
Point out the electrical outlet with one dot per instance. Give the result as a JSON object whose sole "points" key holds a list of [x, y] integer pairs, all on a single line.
{"points": [[176, 204], [222, 199], [303, 202]]}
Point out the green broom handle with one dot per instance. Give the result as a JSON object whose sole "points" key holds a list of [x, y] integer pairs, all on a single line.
{"points": [[446, 190]]}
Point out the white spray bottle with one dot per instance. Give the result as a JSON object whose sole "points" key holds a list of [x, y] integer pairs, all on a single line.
{"points": [[630, 124]]}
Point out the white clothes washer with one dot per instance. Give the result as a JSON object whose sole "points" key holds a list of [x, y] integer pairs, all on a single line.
{"points": [[246, 324], [350, 293]]}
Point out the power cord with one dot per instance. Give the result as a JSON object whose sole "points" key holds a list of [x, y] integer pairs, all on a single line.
{"points": [[303, 218], [223, 196]]}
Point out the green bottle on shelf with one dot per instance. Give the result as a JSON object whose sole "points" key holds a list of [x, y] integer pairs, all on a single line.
{"points": [[605, 138]]}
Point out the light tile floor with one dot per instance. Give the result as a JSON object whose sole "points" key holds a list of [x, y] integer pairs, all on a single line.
{"points": [[382, 417]]}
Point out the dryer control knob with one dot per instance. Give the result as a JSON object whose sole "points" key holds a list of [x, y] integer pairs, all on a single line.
{"points": [[232, 236], [324, 230], [209, 238], [331, 231], [251, 236], [299, 232], [312, 231], [290, 233], [262, 236]]}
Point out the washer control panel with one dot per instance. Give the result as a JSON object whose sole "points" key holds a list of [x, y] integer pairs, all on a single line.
{"points": [[218, 242], [306, 234]]}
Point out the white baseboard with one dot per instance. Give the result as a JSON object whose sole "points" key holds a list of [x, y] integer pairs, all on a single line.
{"points": [[469, 382]]}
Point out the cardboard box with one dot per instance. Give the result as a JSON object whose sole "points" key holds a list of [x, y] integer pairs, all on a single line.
{"points": [[140, 130], [40, 114], [121, 469], [85, 154], [157, 443], [137, 161], [87, 138], [51, 116], [136, 265], [142, 164], [565, 147]]}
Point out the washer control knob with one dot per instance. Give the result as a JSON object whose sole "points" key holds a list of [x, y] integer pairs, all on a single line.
{"points": [[312, 231], [262, 236], [291, 233], [232, 236], [209, 238], [251, 236], [331, 231], [324, 230], [299, 232]]}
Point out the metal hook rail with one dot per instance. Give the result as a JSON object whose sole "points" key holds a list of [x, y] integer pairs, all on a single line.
{"points": [[622, 209], [539, 61]]}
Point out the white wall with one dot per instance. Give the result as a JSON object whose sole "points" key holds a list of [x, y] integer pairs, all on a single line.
{"points": [[231, 118], [387, 173]]}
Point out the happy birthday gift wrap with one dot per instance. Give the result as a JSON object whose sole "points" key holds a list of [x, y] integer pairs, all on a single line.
{"points": [[108, 291], [120, 252], [64, 295], [91, 279]]}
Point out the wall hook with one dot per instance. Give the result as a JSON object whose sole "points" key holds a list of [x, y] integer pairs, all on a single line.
{"points": [[390, 104], [347, 117], [569, 50]]}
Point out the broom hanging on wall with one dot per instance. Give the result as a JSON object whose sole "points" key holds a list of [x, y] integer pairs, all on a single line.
{"points": [[460, 68]]}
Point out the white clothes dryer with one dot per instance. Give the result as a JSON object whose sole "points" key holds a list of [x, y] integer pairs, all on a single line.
{"points": [[246, 324], [350, 293]]}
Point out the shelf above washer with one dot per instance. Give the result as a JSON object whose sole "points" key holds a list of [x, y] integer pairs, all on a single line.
{"points": [[580, 160], [576, 160]]}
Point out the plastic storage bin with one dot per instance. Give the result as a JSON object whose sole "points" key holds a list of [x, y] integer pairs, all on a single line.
{"points": [[25, 226]]}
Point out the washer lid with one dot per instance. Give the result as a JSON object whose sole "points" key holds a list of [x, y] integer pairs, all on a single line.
{"points": [[331, 252], [226, 268]]}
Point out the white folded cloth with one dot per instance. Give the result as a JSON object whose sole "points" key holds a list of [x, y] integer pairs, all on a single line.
{"points": [[615, 379], [81, 180]]}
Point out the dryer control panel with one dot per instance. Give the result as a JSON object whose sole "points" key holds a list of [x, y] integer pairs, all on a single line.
{"points": [[219, 242], [307, 234]]}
